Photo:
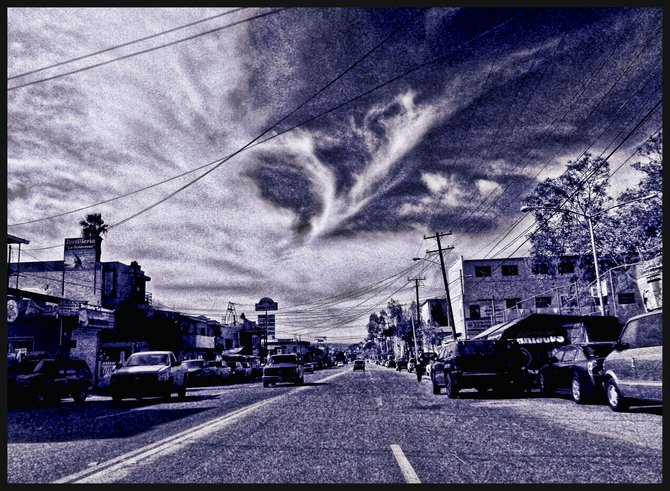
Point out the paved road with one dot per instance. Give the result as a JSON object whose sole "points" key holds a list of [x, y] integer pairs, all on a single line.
{"points": [[377, 426]]}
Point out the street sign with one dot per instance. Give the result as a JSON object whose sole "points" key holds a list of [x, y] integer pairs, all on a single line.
{"points": [[68, 308], [266, 303]]}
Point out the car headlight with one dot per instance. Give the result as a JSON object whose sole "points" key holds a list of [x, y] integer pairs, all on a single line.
{"points": [[163, 375]]}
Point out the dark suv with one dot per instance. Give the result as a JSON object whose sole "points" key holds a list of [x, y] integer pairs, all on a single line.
{"points": [[481, 364], [53, 379]]}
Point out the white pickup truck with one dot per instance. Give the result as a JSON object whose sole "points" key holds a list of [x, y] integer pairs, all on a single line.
{"points": [[149, 373]]}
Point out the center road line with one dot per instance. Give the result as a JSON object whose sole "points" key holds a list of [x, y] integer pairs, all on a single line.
{"points": [[405, 467], [118, 467]]}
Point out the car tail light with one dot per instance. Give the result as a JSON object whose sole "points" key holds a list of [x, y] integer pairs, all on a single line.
{"points": [[594, 367]]}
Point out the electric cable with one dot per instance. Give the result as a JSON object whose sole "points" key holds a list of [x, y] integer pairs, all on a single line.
{"points": [[123, 45]]}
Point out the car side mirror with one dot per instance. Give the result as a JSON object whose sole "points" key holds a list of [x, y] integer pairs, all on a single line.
{"points": [[621, 346], [177, 363], [553, 359], [118, 365]]}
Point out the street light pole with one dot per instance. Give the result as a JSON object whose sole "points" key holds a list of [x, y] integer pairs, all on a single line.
{"points": [[595, 264]]}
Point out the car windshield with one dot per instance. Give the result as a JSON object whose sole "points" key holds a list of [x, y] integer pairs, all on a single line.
{"points": [[359, 362], [277, 359], [142, 360]]}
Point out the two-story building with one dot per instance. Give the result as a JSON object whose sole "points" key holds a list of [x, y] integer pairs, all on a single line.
{"points": [[491, 291]]}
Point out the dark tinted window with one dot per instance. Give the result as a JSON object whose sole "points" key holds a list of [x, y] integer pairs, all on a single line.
{"points": [[474, 312], [510, 270], [482, 271], [566, 267], [540, 268], [542, 302], [476, 348], [643, 332], [626, 298], [510, 303], [276, 359]]}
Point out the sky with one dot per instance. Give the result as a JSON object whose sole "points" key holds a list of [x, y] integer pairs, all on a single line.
{"points": [[303, 154]]}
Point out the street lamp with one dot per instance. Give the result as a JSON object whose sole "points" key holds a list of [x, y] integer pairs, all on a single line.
{"points": [[589, 219]]}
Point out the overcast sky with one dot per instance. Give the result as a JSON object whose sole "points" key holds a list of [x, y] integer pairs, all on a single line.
{"points": [[438, 119]]}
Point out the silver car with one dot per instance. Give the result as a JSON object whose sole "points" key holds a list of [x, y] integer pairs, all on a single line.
{"points": [[634, 370]]}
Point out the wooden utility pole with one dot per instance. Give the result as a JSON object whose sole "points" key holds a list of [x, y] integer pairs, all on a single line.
{"points": [[450, 315], [418, 312]]}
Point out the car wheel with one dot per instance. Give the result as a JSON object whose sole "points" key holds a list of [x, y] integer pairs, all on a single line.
{"points": [[181, 393], [266, 384], [579, 391], [450, 386], [615, 400], [301, 381], [436, 388], [545, 385], [80, 394]]}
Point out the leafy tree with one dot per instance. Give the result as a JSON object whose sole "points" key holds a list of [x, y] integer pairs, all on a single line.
{"points": [[579, 192], [637, 231]]}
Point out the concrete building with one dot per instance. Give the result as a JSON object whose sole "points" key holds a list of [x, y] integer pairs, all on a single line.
{"points": [[491, 291]]}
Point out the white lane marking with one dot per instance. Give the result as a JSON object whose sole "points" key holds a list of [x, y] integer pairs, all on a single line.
{"points": [[118, 467], [405, 467], [379, 402]]}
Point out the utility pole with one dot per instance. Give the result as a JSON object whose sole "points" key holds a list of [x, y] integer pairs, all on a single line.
{"points": [[418, 311], [450, 315]]}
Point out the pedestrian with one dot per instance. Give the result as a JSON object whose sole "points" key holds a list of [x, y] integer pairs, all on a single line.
{"points": [[421, 363]]}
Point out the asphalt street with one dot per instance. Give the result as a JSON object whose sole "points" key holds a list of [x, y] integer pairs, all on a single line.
{"points": [[376, 426]]}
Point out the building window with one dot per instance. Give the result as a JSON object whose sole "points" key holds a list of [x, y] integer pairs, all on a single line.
{"points": [[510, 303], [626, 298], [542, 302], [482, 271], [510, 270], [566, 267], [475, 312], [540, 268]]}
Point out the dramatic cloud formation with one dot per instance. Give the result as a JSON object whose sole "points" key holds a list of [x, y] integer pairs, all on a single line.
{"points": [[439, 119]]}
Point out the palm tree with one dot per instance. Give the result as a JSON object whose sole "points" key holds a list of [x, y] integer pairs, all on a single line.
{"points": [[94, 227]]}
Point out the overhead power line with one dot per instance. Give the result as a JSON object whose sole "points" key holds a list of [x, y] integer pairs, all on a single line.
{"points": [[148, 50], [256, 143], [129, 43]]}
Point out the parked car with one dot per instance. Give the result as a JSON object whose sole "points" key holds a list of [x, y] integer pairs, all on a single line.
{"points": [[256, 368], [238, 372], [283, 368], [577, 368], [340, 364], [216, 372], [390, 364], [359, 365], [401, 364], [634, 369], [149, 373], [308, 367], [481, 364], [53, 379], [196, 375]]}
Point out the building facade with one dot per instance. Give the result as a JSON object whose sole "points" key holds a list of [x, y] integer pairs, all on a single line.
{"points": [[491, 291]]}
